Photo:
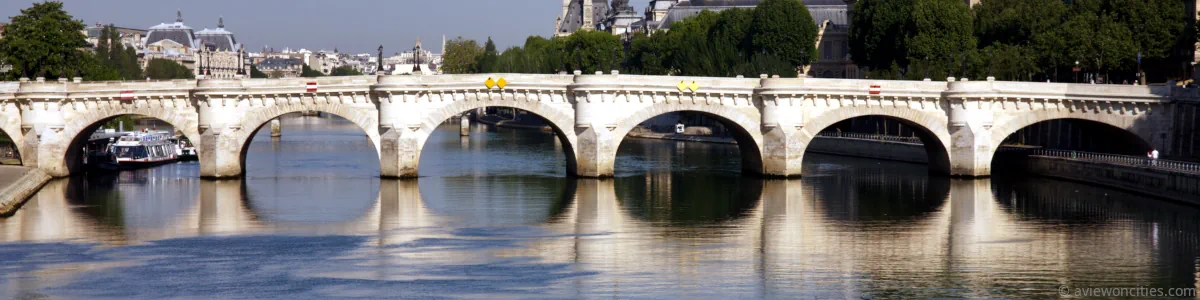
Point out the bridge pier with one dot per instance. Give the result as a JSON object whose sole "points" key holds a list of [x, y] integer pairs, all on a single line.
{"points": [[400, 152], [276, 131], [464, 125], [596, 152], [783, 151]]}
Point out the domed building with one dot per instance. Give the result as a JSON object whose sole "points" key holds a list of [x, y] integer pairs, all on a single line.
{"points": [[214, 53], [220, 55]]}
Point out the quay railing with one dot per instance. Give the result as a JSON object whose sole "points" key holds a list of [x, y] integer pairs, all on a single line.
{"points": [[871, 136], [1129, 160]]}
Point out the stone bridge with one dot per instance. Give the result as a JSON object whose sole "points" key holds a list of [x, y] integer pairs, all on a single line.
{"points": [[961, 122]]}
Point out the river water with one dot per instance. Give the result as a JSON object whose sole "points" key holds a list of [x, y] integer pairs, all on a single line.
{"points": [[495, 217]]}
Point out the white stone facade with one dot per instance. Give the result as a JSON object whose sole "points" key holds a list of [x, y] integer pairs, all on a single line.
{"points": [[774, 119]]}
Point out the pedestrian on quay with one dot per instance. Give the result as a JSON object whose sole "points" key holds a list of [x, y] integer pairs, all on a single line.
{"points": [[1154, 157]]}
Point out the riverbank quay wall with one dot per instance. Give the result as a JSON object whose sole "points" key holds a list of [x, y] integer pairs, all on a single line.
{"points": [[1168, 184], [18, 185], [870, 148], [774, 120]]}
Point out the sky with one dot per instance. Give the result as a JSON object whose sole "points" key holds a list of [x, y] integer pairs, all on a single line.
{"points": [[355, 26]]}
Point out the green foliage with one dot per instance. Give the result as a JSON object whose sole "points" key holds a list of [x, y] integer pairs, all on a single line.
{"points": [[43, 41], [942, 37], [255, 73], [592, 51], [878, 33], [344, 71], [113, 54], [648, 55], [125, 121], [785, 28], [487, 62], [461, 56], [912, 38], [305, 71], [162, 69]]}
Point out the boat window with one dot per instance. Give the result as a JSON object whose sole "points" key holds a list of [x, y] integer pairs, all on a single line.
{"points": [[134, 152]]}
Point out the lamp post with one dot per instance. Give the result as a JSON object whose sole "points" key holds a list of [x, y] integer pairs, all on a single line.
{"points": [[1076, 70], [1141, 78]]}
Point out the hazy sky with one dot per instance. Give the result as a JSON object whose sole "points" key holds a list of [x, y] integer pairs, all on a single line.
{"points": [[350, 25]]}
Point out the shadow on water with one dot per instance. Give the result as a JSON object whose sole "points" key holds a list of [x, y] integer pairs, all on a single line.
{"points": [[686, 198], [851, 188]]}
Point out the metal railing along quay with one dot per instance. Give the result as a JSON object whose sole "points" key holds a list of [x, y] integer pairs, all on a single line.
{"points": [[871, 136], [1129, 160]]}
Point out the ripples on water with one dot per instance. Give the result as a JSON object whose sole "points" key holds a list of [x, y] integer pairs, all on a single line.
{"points": [[495, 217]]}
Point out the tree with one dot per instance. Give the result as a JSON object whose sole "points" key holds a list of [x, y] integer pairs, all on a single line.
{"points": [[591, 51], [305, 71], [461, 56], [908, 38], [163, 69], [785, 28], [345, 71], [647, 55], [255, 73], [941, 37], [878, 31], [487, 61], [43, 41]]}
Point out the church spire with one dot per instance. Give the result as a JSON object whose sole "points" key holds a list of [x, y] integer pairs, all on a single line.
{"points": [[221, 22], [178, 16]]}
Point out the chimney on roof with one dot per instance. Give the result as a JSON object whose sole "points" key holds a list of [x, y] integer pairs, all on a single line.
{"points": [[221, 22], [178, 16]]}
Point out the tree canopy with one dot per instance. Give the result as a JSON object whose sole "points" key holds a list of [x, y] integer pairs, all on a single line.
{"points": [[163, 69], [345, 71], [591, 51], [305, 71], [784, 28], [44, 40], [461, 56]]}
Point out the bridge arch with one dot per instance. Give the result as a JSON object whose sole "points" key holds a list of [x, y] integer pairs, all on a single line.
{"points": [[1126, 137], [82, 121], [562, 121], [931, 127], [16, 143], [366, 117], [1002, 130], [745, 122]]}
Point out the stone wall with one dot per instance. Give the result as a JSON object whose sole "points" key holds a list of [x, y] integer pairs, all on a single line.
{"points": [[876, 149], [1175, 186]]}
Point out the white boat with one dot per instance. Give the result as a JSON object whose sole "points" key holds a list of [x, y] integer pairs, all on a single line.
{"points": [[140, 150], [184, 149]]}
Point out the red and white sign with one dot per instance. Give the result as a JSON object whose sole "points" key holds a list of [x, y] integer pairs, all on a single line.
{"points": [[875, 89], [126, 95], [312, 87]]}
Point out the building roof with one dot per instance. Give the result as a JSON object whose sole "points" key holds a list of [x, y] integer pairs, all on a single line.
{"points": [[574, 17], [220, 39], [174, 31]]}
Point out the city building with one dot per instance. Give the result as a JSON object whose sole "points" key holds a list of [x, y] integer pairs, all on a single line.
{"points": [[129, 36], [580, 14], [214, 53], [277, 67], [416, 61]]}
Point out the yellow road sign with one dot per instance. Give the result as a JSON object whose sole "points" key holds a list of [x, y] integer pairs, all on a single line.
{"points": [[501, 83], [683, 86], [489, 83], [694, 86]]}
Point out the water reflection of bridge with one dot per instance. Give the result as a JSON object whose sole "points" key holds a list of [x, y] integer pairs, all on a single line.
{"points": [[799, 235]]}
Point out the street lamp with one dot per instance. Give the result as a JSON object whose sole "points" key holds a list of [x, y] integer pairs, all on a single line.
{"points": [[1076, 70]]}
